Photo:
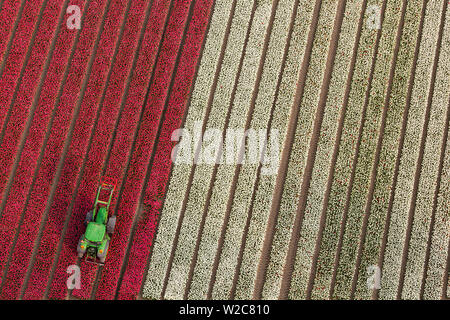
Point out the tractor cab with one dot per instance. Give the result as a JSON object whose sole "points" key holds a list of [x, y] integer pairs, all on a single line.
{"points": [[95, 232], [99, 228]]}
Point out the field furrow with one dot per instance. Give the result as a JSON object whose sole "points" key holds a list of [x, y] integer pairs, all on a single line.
{"points": [[27, 93], [82, 136], [133, 119], [15, 59], [21, 107], [279, 244], [106, 123], [10, 12], [259, 149], [22, 110], [28, 154], [75, 149], [333, 112], [238, 113], [435, 273]]}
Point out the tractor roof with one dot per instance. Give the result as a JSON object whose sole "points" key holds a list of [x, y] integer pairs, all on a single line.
{"points": [[95, 232]]}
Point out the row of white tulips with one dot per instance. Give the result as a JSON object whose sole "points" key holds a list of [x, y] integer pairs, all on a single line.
{"points": [[303, 135], [209, 241], [434, 281], [177, 187], [247, 175], [389, 147], [320, 174], [353, 112], [245, 187], [203, 172], [391, 267], [367, 149], [265, 189], [272, 284], [429, 173]]}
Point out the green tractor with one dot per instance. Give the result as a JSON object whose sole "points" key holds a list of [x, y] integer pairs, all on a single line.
{"points": [[99, 228]]}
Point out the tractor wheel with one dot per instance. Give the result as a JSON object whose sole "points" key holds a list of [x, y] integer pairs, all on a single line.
{"points": [[80, 252], [88, 217], [111, 224], [102, 257]]}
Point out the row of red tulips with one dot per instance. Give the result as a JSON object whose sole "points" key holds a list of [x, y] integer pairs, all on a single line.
{"points": [[11, 213], [123, 70], [28, 163], [115, 167], [65, 115], [9, 12], [84, 130], [145, 140], [15, 59], [98, 153], [78, 148], [25, 88], [141, 243]]}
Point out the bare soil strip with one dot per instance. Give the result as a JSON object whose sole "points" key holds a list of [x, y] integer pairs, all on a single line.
{"points": [[244, 235], [11, 38], [20, 76], [401, 142], [281, 177], [32, 110], [83, 166], [74, 120], [294, 121], [306, 179], [124, 97], [22, 71], [265, 253]]}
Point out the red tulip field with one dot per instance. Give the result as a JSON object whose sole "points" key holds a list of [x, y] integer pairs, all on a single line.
{"points": [[259, 149]]}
